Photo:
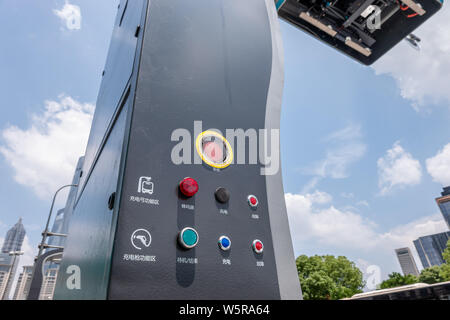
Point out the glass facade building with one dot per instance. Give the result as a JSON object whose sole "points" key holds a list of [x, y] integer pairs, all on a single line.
{"points": [[8, 264], [406, 260], [5, 268], [430, 248], [14, 238], [23, 283], [444, 204]]}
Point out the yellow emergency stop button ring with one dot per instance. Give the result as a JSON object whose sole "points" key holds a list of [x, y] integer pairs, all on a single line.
{"points": [[210, 136]]}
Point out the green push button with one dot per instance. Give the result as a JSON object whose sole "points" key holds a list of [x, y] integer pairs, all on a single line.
{"points": [[188, 238]]}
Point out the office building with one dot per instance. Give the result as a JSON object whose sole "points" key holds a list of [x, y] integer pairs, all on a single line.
{"points": [[406, 260], [8, 263], [444, 204], [48, 284], [430, 248], [5, 266], [14, 238], [23, 282], [3, 280]]}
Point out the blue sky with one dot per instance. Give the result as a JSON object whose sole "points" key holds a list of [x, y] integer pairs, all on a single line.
{"points": [[365, 150]]}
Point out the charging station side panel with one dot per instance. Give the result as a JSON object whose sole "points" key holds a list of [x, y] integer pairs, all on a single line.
{"points": [[85, 267]]}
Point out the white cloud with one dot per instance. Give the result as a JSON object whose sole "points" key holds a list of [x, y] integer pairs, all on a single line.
{"points": [[363, 203], [44, 156], [397, 169], [319, 197], [345, 148], [330, 230], [70, 14], [422, 77], [329, 226], [347, 195], [439, 166]]}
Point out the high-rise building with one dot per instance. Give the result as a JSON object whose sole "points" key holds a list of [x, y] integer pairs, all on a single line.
{"points": [[14, 238], [3, 280], [48, 284], [444, 204], [8, 263], [5, 267], [406, 260], [21, 291], [430, 248]]}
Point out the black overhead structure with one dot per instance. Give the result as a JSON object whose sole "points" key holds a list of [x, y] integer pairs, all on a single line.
{"points": [[362, 29]]}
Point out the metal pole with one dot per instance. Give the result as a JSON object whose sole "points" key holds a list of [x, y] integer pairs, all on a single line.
{"points": [[45, 233]]}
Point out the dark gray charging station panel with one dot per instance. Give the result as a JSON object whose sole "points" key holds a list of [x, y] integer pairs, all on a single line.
{"points": [[176, 69]]}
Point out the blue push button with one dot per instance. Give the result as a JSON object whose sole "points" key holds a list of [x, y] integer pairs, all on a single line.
{"points": [[188, 238], [224, 243]]}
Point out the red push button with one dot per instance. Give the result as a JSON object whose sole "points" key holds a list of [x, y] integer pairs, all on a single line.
{"points": [[252, 201], [188, 187], [258, 246]]}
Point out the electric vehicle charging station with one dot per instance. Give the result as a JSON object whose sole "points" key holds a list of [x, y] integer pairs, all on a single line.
{"points": [[165, 209], [140, 229]]}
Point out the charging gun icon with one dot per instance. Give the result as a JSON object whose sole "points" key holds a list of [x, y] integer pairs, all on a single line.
{"points": [[141, 238]]}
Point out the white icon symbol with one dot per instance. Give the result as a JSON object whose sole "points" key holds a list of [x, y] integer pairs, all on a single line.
{"points": [[145, 185], [141, 238]]}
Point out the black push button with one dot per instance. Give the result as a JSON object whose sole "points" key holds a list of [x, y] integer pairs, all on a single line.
{"points": [[222, 195]]}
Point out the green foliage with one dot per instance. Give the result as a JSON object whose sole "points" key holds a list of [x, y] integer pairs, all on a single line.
{"points": [[445, 268], [431, 275], [397, 280], [444, 272], [446, 253], [328, 277]]}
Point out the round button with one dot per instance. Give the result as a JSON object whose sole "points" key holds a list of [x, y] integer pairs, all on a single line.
{"points": [[188, 238], [188, 187], [222, 195], [252, 201], [214, 149], [258, 246], [224, 243]]}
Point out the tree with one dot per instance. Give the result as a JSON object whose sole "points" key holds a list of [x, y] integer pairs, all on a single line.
{"points": [[431, 275], [444, 273], [396, 279], [445, 268], [328, 277]]}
